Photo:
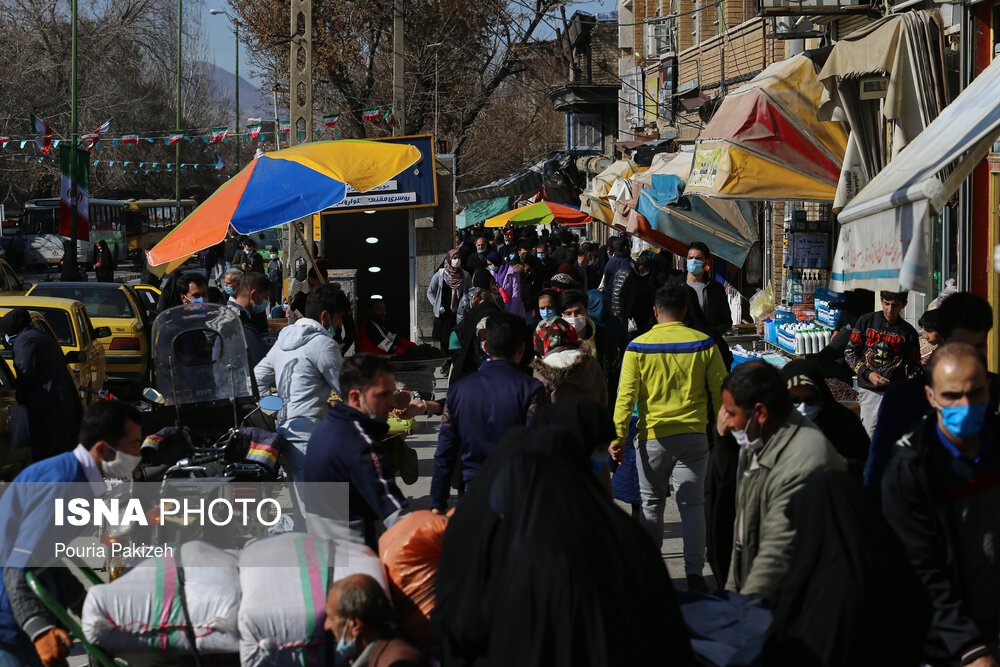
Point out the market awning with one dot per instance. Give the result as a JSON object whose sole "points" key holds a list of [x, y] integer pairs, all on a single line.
{"points": [[525, 181], [477, 211], [765, 142], [727, 227], [594, 202], [885, 230]]}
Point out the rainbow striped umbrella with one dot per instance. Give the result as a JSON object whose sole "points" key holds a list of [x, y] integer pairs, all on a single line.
{"points": [[541, 213], [282, 186]]}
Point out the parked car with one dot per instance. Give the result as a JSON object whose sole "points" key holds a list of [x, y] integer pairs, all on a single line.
{"points": [[150, 297], [75, 333], [118, 307], [10, 283]]}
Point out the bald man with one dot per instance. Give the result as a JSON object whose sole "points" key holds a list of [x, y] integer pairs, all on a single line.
{"points": [[360, 617], [941, 494]]}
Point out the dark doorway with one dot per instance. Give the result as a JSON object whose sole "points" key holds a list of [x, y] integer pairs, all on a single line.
{"points": [[379, 240]]}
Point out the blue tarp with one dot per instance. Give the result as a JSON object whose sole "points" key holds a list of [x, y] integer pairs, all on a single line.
{"points": [[690, 218]]}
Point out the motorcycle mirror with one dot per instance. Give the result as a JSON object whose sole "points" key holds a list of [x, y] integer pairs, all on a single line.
{"points": [[270, 403], [153, 396]]}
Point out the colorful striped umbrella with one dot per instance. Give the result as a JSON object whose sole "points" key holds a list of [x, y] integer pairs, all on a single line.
{"points": [[541, 213], [282, 186]]}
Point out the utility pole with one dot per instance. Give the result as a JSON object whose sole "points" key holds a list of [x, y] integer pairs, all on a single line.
{"points": [[398, 69], [236, 31], [179, 119], [69, 270]]}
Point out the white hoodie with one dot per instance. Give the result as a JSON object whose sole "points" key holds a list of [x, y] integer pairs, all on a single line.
{"points": [[304, 365]]}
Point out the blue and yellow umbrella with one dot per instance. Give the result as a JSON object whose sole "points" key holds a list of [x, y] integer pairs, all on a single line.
{"points": [[282, 186]]}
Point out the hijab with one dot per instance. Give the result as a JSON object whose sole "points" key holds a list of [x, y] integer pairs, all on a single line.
{"points": [[539, 567], [453, 277]]}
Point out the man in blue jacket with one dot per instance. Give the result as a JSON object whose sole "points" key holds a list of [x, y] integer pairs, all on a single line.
{"points": [[482, 406], [345, 447], [110, 436]]}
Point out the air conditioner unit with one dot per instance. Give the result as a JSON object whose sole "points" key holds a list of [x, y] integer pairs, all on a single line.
{"points": [[659, 39], [813, 7]]}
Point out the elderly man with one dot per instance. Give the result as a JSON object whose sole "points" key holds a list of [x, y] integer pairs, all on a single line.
{"points": [[940, 493], [360, 618], [779, 450], [231, 281]]}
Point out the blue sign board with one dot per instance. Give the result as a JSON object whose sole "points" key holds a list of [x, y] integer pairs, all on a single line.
{"points": [[415, 187]]}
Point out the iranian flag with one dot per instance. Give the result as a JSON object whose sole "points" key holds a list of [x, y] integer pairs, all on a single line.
{"points": [[43, 134], [253, 128], [285, 126], [330, 120], [90, 139], [218, 134], [370, 115], [175, 138], [130, 139], [390, 116], [81, 175], [4, 141]]}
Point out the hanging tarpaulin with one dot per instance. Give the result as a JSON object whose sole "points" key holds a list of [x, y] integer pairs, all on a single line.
{"points": [[885, 231], [594, 202], [477, 211], [765, 141], [668, 219]]}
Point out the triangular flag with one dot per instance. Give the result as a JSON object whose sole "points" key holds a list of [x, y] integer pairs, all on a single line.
{"points": [[44, 134], [219, 164]]}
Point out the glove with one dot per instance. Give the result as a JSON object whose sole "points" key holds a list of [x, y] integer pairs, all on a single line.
{"points": [[53, 646]]}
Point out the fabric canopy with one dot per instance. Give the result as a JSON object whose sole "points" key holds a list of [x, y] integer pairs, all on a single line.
{"points": [[727, 227], [905, 49], [594, 202], [765, 141], [477, 211], [885, 231]]}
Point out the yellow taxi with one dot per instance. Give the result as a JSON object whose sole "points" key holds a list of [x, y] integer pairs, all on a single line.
{"points": [[117, 307], [149, 296], [69, 323], [10, 283]]}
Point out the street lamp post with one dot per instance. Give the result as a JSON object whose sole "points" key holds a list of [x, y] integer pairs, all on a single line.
{"points": [[69, 269], [236, 31], [177, 107]]}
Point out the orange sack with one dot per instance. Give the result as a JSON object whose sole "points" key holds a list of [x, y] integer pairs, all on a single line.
{"points": [[410, 551]]}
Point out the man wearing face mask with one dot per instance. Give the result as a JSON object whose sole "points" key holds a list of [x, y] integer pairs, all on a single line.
{"points": [[110, 437], [250, 302], [779, 450], [360, 617], [477, 260], [304, 366], [274, 274], [192, 288], [345, 447], [940, 495], [231, 282], [708, 306]]}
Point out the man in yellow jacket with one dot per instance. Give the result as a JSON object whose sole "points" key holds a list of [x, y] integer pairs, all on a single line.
{"points": [[673, 375]]}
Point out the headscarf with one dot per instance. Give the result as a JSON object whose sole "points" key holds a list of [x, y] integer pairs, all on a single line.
{"points": [[482, 279], [554, 334], [539, 567], [588, 420], [453, 277], [851, 596]]}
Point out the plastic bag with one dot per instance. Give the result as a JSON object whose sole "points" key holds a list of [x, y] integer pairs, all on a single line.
{"points": [[410, 551], [762, 303]]}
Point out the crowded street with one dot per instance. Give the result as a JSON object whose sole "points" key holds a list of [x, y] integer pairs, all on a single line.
{"points": [[552, 334]]}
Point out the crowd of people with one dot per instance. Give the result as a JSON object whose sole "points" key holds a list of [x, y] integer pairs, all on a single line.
{"points": [[585, 382]]}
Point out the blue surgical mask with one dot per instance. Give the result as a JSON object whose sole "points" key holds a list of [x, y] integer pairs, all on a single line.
{"points": [[541, 256], [964, 421], [198, 299], [511, 256], [347, 651], [809, 410], [9, 339], [229, 289], [259, 308], [695, 266], [546, 313]]}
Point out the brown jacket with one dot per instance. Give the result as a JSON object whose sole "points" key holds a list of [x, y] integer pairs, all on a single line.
{"points": [[391, 652], [571, 372]]}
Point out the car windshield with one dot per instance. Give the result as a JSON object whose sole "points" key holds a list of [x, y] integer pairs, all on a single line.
{"points": [[61, 325], [98, 302]]}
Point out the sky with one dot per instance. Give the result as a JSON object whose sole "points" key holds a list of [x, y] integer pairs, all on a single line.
{"points": [[221, 43]]}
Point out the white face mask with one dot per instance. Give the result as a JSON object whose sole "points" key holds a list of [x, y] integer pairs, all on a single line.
{"points": [[743, 440], [807, 410], [122, 467], [456, 262], [579, 322]]}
